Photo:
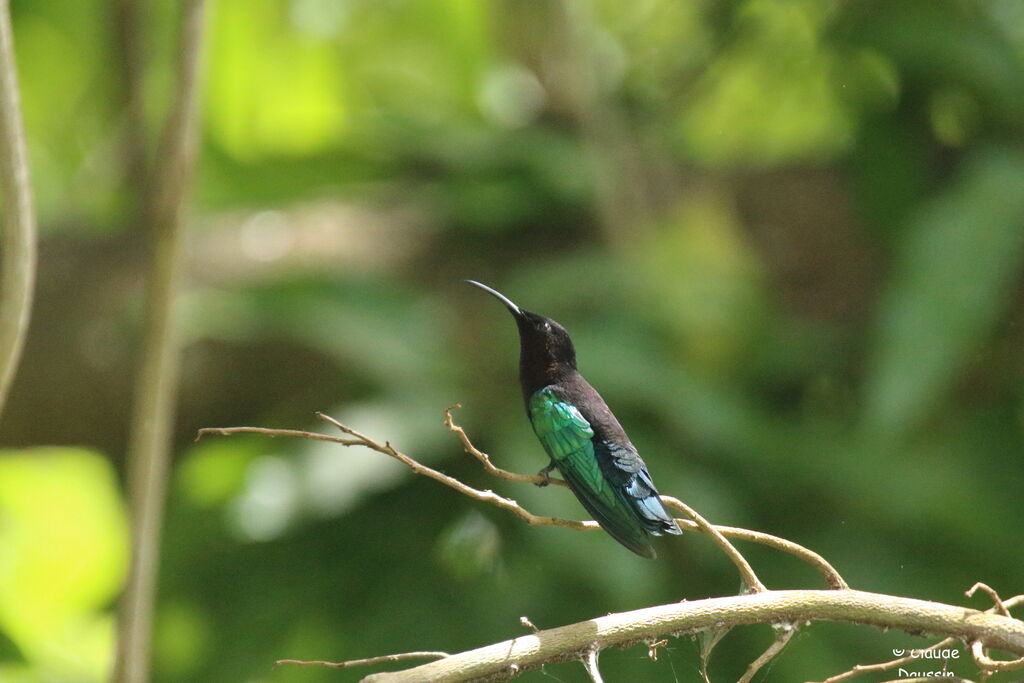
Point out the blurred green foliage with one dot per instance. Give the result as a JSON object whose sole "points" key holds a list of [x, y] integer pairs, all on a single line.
{"points": [[786, 236], [63, 558]]}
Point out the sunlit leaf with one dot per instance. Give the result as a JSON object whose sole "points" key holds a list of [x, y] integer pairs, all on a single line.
{"points": [[214, 471], [63, 554], [275, 87], [750, 108]]}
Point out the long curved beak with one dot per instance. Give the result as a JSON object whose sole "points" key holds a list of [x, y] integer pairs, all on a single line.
{"points": [[515, 310]]}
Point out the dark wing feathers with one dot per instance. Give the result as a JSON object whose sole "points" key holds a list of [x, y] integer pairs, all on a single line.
{"points": [[622, 464], [608, 477], [614, 520]]}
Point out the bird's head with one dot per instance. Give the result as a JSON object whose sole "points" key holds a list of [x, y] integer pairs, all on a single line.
{"points": [[544, 344]]}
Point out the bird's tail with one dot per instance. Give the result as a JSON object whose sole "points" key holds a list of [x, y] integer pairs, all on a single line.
{"points": [[656, 518], [612, 513]]}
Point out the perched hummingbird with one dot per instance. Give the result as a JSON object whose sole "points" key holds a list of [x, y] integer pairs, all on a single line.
{"points": [[582, 437]]}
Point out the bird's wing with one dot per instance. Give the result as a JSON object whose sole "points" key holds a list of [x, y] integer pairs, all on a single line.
{"points": [[622, 465], [569, 440]]}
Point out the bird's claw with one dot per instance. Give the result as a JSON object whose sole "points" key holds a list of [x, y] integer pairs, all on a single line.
{"points": [[545, 474]]}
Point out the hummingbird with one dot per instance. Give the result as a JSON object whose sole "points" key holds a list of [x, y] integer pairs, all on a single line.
{"points": [[581, 436]]}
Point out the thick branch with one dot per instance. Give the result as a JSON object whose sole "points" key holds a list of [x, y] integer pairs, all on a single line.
{"points": [[508, 658], [17, 277]]}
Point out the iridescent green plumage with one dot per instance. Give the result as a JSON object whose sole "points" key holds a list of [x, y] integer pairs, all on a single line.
{"points": [[567, 437], [569, 440]]}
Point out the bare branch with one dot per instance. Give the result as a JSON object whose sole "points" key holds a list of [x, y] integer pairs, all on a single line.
{"points": [[486, 496], [533, 650], [831, 576], [18, 267], [709, 640], [485, 459], [652, 648], [861, 669], [129, 38], [992, 594], [508, 659], [369, 661], [590, 664], [316, 436], [812, 558], [783, 634], [993, 665], [157, 379], [746, 571], [358, 439]]}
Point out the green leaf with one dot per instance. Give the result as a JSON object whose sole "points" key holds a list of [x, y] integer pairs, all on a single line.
{"points": [[942, 43], [951, 280], [63, 556]]}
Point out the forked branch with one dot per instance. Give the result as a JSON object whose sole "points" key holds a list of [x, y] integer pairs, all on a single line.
{"points": [[355, 438]]}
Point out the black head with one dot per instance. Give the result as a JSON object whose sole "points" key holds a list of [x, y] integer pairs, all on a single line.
{"points": [[546, 353]]}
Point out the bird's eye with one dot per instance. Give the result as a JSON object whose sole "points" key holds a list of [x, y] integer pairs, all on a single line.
{"points": [[547, 326]]}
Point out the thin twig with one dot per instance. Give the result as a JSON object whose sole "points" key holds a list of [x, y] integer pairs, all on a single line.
{"points": [[831, 576], [827, 571], [369, 661], [652, 647], [526, 623], [993, 665], [709, 640], [590, 664], [783, 634], [992, 594], [485, 459], [526, 652], [486, 496], [746, 571], [18, 265], [156, 384], [861, 669], [228, 431]]}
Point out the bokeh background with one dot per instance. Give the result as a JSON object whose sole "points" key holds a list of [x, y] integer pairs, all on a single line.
{"points": [[786, 236]]}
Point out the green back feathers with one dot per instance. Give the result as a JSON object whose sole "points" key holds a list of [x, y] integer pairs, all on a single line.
{"points": [[568, 439], [559, 425]]}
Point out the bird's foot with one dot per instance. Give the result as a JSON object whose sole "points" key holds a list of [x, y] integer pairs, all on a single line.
{"points": [[546, 475]]}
